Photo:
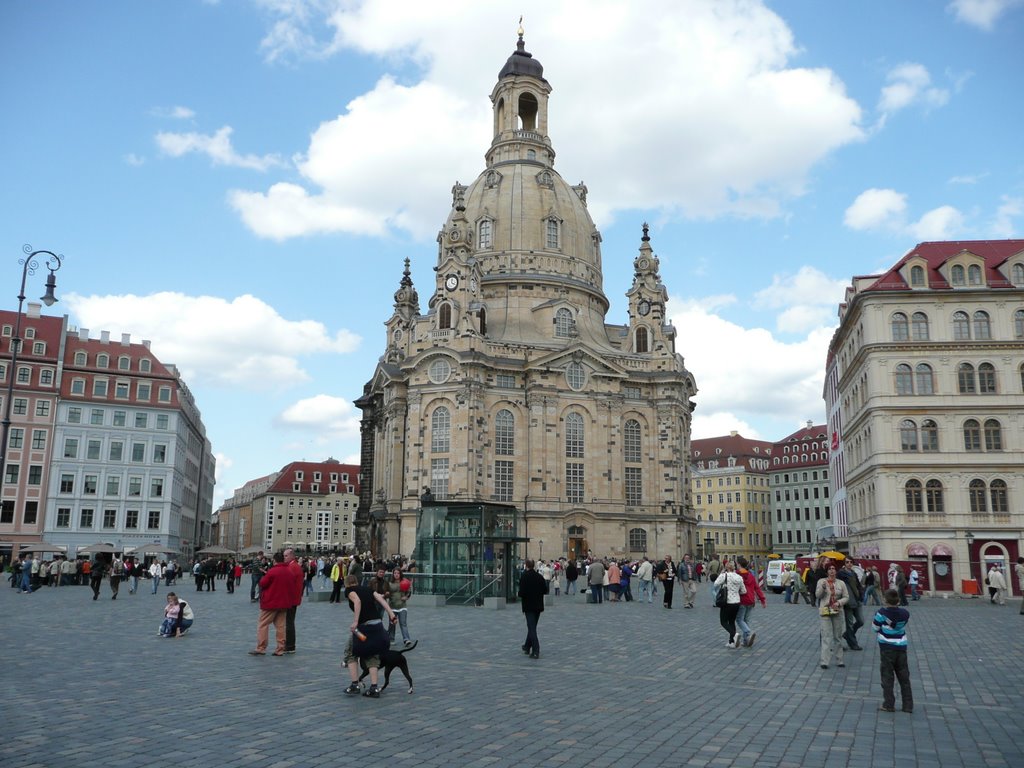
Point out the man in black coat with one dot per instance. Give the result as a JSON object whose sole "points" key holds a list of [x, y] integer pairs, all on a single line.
{"points": [[532, 588]]}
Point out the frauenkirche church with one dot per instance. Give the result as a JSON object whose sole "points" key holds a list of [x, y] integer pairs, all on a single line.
{"points": [[511, 387]]}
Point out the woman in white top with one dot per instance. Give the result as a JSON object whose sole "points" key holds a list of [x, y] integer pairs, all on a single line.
{"points": [[832, 598], [733, 584]]}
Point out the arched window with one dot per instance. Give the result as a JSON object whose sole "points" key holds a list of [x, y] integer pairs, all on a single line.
{"points": [[924, 381], [631, 441], [982, 326], [641, 340], [908, 435], [1000, 500], [103, 360], [124, 363], [904, 380], [1017, 274], [637, 540], [504, 433], [972, 435], [574, 436], [974, 275], [914, 496], [976, 492], [440, 431], [484, 237], [563, 322], [444, 316], [1018, 324], [929, 436], [917, 277], [965, 379], [987, 379], [919, 326], [80, 358], [933, 496], [957, 275], [551, 229], [993, 435], [900, 327], [483, 321], [961, 326], [575, 376]]}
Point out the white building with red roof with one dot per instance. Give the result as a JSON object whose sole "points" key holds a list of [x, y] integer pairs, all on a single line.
{"points": [[311, 506], [925, 394]]}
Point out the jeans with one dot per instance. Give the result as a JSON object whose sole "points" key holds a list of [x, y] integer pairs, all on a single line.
{"points": [[596, 593], [167, 626], [26, 582], [789, 593], [403, 622], [570, 587], [851, 615], [893, 664], [645, 589], [156, 583], [871, 595], [134, 584], [913, 592], [626, 592], [741, 621], [532, 644]]}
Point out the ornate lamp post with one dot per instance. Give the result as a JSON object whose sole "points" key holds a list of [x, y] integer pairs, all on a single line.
{"points": [[29, 266]]}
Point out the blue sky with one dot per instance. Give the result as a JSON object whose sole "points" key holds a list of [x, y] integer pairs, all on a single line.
{"points": [[239, 182]]}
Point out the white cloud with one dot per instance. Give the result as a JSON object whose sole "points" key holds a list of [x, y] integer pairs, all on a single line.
{"points": [[808, 299], [967, 178], [886, 210], [942, 223], [981, 13], [216, 146], [876, 209], [910, 84], [243, 343], [721, 423], [328, 417], [1009, 209], [747, 374], [134, 160], [173, 113], [716, 122]]}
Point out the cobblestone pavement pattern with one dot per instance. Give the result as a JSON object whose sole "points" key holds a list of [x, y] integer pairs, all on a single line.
{"points": [[89, 684]]}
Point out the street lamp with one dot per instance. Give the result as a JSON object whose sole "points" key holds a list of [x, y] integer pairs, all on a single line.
{"points": [[29, 266], [541, 542]]}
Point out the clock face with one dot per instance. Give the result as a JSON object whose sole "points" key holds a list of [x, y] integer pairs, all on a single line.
{"points": [[451, 283], [644, 307], [643, 264]]}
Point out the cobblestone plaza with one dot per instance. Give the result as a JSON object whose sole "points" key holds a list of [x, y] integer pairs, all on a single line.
{"points": [[89, 684]]}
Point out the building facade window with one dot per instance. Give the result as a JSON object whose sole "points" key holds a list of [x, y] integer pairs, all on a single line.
{"points": [[504, 433], [552, 234], [637, 540], [965, 381], [631, 443], [934, 497], [924, 380], [440, 431], [977, 494], [961, 326], [974, 275], [633, 478], [993, 435], [574, 482], [956, 275], [575, 376], [904, 380], [908, 435], [917, 277], [642, 343], [574, 436], [484, 235], [900, 327], [503, 480], [563, 323], [1018, 324], [972, 435], [439, 478], [85, 518], [982, 326], [986, 379], [929, 436], [1000, 498]]}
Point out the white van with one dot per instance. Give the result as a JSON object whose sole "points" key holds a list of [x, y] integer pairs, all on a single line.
{"points": [[773, 580]]}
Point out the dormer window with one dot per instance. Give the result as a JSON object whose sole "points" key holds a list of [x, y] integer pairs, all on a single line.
{"points": [[103, 361], [80, 358], [917, 277], [974, 275], [484, 233], [956, 275], [552, 239], [1017, 274], [563, 323]]}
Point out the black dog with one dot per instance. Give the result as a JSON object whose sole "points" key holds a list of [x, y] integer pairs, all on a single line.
{"points": [[389, 660]]}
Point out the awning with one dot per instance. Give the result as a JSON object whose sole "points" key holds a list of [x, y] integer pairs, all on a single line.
{"points": [[917, 550], [941, 550], [868, 552]]}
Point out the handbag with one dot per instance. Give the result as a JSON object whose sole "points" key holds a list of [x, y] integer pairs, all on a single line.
{"points": [[722, 597], [370, 639], [827, 610], [662, 575]]}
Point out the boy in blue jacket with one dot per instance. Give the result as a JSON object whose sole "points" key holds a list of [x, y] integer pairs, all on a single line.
{"points": [[890, 624]]}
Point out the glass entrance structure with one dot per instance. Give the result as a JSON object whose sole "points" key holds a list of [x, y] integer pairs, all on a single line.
{"points": [[467, 551]]}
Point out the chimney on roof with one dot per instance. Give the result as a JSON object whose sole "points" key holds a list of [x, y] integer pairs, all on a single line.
{"points": [[34, 308], [733, 433], [126, 339], [146, 343], [810, 423], [104, 337], [83, 334]]}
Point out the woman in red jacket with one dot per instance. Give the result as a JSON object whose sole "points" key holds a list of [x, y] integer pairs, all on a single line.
{"points": [[747, 603]]}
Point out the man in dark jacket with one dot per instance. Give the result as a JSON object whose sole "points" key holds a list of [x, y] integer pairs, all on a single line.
{"points": [[852, 607], [532, 588]]}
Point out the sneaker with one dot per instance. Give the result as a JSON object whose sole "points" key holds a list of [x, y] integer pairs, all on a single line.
{"points": [[737, 639], [372, 692], [408, 643], [750, 640], [730, 644], [354, 689], [884, 708]]}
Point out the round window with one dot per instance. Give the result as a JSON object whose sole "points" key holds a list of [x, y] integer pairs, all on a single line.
{"points": [[440, 370], [575, 376]]}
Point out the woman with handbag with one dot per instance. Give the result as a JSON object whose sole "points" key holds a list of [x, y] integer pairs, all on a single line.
{"points": [[730, 587], [832, 596]]}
